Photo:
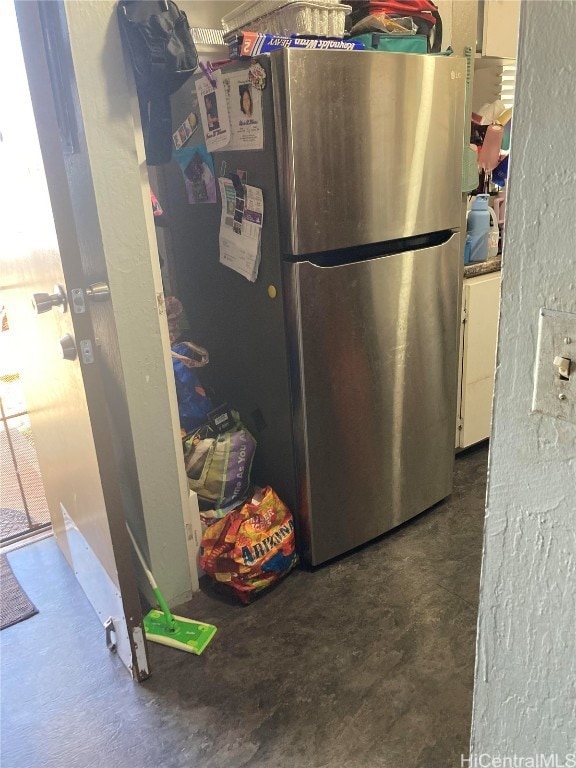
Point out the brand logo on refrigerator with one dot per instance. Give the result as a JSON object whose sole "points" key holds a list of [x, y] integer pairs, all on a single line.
{"points": [[455, 75]]}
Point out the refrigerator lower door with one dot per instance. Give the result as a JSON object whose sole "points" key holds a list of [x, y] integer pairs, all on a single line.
{"points": [[374, 348]]}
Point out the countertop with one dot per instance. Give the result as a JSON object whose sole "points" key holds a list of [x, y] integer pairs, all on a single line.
{"points": [[483, 267]]}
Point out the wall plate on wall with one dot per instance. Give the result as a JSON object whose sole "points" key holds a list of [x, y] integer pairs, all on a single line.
{"points": [[555, 371]]}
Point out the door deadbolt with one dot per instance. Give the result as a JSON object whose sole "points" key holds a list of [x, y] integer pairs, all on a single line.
{"points": [[43, 302], [68, 347]]}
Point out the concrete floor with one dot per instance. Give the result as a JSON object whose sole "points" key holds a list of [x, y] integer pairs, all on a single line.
{"points": [[365, 663]]}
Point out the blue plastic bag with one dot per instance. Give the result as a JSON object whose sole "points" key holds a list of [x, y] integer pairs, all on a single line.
{"points": [[194, 405]]}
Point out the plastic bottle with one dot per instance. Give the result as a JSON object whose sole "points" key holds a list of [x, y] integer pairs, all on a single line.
{"points": [[493, 234], [478, 227]]}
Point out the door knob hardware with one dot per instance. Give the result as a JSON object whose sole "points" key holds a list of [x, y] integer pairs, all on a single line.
{"points": [[68, 347], [43, 302], [98, 291]]}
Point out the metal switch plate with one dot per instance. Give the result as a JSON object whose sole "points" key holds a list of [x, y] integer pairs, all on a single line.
{"points": [[555, 381]]}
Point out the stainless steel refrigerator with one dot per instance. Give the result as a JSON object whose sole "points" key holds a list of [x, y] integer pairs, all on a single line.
{"points": [[342, 356]]}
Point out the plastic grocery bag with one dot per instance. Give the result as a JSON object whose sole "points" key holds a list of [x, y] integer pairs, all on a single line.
{"points": [[252, 547], [218, 465], [194, 405]]}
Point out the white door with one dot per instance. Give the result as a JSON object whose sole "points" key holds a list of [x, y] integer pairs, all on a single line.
{"points": [[105, 427]]}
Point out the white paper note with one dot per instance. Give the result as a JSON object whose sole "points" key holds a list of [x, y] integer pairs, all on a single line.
{"points": [[241, 228], [245, 112], [213, 112]]}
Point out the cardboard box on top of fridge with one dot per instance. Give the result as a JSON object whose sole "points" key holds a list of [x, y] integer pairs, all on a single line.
{"points": [[252, 44]]}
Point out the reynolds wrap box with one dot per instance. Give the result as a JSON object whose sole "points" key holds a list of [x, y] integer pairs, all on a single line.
{"points": [[253, 43]]}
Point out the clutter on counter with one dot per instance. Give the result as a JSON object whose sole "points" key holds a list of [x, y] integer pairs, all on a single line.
{"points": [[481, 231], [490, 141]]}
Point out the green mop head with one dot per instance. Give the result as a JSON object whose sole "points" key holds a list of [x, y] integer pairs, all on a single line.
{"points": [[165, 628], [185, 634]]}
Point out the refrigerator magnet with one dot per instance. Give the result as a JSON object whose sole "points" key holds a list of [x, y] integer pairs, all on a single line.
{"points": [[257, 76]]}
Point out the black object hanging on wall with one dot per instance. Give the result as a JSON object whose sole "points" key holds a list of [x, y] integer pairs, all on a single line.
{"points": [[159, 42]]}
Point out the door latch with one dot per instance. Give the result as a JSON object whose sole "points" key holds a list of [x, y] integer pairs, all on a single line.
{"points": [[98, 291]]}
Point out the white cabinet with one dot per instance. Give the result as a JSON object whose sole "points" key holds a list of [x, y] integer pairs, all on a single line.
{"points": [[500, 28], [480, 307]]}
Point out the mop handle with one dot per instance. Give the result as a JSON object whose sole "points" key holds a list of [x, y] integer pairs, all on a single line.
{"points": [[151, 579]]}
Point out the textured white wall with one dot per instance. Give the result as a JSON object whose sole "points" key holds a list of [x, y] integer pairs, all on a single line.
{"points": [[525, 688]]}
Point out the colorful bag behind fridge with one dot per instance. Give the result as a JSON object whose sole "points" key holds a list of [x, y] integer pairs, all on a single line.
{"points": [[252, 547], [194, 405], [219, 465]]}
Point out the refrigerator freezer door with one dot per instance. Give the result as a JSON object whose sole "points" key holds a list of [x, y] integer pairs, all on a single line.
{"points": [[374, 349], [369, 146]]}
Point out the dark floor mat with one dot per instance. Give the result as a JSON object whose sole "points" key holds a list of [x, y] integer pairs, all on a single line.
{"points": [[14, 603]]}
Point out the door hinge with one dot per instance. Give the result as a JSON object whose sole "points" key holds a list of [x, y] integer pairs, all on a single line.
{"points": [[141, 657]]}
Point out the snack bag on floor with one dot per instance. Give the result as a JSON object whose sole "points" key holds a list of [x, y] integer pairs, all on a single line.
{"points": [[252, 547]]}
